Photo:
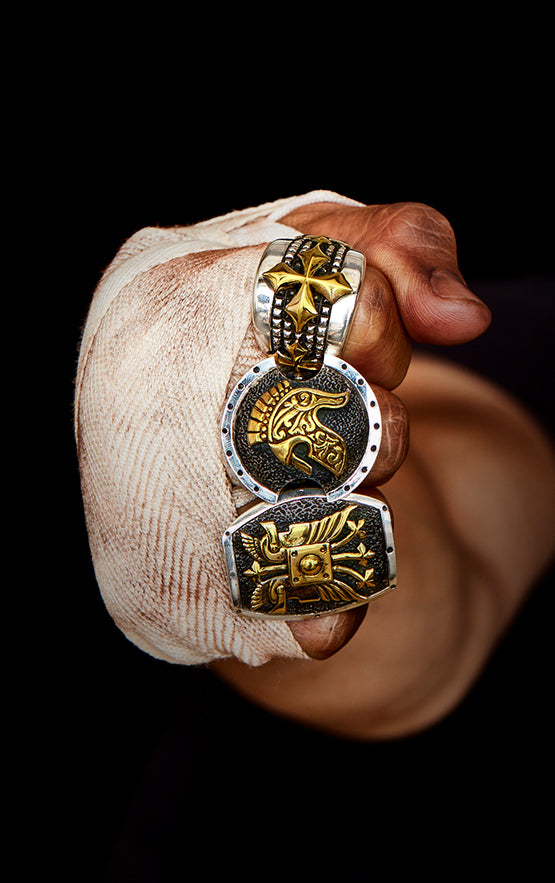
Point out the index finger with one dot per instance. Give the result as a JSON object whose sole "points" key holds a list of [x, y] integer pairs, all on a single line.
{"points": [[414, 247]]}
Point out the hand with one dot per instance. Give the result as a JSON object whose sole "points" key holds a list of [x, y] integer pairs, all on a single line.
{"points": [[412, 290], [473, 503]]}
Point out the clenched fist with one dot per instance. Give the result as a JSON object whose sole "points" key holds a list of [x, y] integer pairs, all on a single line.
{"points": [[472, 501], [469, 477]]}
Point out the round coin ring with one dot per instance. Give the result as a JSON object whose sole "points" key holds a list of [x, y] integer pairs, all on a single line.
{"points": [[341, 413], [301, 430]]}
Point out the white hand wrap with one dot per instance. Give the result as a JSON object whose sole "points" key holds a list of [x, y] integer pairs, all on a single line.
{"points": [[167, 333]]}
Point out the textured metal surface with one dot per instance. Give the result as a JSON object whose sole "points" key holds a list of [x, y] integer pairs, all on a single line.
{"points": [[301, 430], [307, 556], [328, 328], [357, 423]]}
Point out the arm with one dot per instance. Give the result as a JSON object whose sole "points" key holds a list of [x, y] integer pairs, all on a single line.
{"points": [[472, 502]]}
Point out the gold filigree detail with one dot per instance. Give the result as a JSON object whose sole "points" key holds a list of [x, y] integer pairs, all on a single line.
{"points": [[285, 416], [305, 562], [331, 286], [296, 355]]}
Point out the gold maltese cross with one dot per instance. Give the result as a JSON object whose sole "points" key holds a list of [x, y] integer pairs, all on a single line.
{"points": [[305, 562], [302, 307]]}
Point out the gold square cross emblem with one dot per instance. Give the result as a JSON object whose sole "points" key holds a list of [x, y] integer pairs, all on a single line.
{"points": [[309, 564]]}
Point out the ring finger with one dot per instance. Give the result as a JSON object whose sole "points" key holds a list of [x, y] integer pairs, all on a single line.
{"points": [[378, 345]]}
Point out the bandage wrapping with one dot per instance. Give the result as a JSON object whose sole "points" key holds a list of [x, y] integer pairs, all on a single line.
{"points": [[167, 335]]}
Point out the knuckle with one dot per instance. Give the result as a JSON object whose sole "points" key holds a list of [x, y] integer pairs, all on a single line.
{"points": [[395, 436], [413, 226]]}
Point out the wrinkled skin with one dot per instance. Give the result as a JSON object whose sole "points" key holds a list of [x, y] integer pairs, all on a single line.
{"points": [[472, 497], [412, 263]]}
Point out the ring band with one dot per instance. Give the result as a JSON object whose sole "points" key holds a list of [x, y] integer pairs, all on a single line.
{"points": [[277, 431], [303, 299], [301, 430], [305, 557]]}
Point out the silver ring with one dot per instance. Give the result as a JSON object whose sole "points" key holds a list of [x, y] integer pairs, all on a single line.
{"points": [[307, 557], [301, 430], [304, 298], [273, 436]]}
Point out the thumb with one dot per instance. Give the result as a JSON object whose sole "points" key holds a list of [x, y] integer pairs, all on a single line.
{"points": [[414, 247]]}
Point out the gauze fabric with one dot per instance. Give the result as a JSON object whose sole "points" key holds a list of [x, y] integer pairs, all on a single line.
{"points": [[167, 335]]}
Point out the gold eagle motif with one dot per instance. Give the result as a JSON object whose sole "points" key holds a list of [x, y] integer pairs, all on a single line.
{"points": [[304, 562]]}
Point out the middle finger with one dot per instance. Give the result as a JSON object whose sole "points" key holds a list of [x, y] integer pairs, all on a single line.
{"points": [[377, 345]]}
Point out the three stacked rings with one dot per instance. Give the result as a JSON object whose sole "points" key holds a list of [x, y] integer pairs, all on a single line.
{"points": [[301, 430]]}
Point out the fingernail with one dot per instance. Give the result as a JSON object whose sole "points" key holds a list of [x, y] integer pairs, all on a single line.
{"points": [[323, 636], [448, 285]]}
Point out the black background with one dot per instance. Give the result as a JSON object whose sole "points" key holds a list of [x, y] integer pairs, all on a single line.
{"points": [[116, 741]]}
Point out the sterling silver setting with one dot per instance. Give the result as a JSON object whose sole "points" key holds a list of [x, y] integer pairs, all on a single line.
{"points": [[337, 318], [259, 595], [239, 468], [301, 431]]}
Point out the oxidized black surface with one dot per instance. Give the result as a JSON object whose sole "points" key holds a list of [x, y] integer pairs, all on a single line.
{"points": [[359, 567], [350, 422]]}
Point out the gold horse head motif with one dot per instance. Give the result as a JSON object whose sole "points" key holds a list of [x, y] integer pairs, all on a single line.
{"points": [[285, 416]]}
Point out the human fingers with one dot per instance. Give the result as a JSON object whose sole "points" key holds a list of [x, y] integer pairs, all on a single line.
{"points": [[394, 442], [414, 247], [323, 636], [378, 345], [412, 288], [320, 637], [379, 348]]}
